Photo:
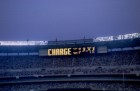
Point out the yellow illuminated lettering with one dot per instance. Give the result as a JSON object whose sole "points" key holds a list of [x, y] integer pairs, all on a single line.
{"points": [[53, 51], [49, 52], [68, 51], [57, 52], [61, 51], [93, 49], [65, 51], [88, 48], [84, 49]]}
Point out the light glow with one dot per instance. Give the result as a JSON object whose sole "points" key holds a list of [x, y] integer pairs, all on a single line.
{"points": [[22, 43]]}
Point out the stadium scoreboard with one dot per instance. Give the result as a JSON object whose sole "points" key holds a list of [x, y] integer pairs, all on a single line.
{"points": [[66, 51]]}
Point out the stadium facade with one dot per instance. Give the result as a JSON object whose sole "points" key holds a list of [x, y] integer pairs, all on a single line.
{"points": [[103, 63]]}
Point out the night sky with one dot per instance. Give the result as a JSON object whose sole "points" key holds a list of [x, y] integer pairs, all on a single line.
{"points": [[67, 19]]}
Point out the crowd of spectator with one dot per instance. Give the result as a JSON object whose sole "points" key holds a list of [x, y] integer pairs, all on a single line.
{"points": [[69, 85], [71, 71], [110, 63], [113, 62]]}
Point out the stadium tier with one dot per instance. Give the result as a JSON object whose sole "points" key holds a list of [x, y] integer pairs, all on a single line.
{"points": [[104, 63]]}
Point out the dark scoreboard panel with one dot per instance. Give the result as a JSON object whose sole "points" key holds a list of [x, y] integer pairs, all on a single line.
{"points": [[67, 51], [73, 51], [102, 49]]}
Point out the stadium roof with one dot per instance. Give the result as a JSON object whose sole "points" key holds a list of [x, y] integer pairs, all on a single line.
{"points": [[98, 39]]}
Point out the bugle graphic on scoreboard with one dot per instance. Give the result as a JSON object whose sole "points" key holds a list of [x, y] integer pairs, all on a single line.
{"points": [[67, 51]]}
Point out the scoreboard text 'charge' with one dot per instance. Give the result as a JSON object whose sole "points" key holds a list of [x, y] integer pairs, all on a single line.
{"points": [[67, 51], [61, 51]]}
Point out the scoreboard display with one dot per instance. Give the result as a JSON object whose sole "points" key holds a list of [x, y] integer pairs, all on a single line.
{"points": [[67, 51]]}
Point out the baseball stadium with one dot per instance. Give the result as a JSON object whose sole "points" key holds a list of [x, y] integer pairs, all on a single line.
{"points": [[102, 63]]}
